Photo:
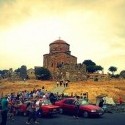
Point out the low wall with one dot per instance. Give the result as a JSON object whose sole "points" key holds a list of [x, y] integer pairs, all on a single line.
{"points": [[117, 108]]}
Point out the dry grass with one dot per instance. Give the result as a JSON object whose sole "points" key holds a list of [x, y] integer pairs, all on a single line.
{"points": [[9, 87], [114, 89]]}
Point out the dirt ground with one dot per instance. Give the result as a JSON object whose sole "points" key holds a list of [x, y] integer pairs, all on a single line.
{"points": [[114, 88]]}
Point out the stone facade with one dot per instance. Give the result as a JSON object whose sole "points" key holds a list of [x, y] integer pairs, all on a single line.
{"points": [[61, 64], [97, 76], [31, 73], [71, 72]]}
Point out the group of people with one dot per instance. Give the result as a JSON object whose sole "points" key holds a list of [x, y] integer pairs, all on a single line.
{"points": [[9, 103], [31, 106], [62, 83]]}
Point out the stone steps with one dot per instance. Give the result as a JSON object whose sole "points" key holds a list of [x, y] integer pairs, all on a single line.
{"points": [[59, 89]]}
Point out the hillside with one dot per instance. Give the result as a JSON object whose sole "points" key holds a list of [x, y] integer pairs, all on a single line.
{"points": [[114, 89]]}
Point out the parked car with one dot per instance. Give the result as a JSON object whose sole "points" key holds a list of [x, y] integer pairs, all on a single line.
{"points": [[46, 108], [85, 109], [21, 108]]}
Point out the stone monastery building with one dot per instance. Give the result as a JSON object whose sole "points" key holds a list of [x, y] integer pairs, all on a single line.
{"points": [[61, 64]]}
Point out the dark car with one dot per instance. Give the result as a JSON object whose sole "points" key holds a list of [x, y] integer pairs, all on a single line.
{"points": [[85, 109]]}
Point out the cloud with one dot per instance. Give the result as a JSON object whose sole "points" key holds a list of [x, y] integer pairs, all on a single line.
{"points": [[12, 14], [96, 25], [15, 11]]}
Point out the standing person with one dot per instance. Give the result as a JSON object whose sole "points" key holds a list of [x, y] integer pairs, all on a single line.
{"points": [[66, 83], [77, 104], [4, 104], [61, 83], [31, 113], [52, 98], [101, 102], [57, 83], [11, 110], [120, 100]]}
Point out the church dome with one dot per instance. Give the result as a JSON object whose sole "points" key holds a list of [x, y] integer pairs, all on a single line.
{"points": [[59, 41], [59, 46]]}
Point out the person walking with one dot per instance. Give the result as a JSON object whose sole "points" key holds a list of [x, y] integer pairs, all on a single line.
{"points": [[4, 104], [77, 104], [31, 108]]}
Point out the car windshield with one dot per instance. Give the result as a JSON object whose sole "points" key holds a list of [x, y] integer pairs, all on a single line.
{"points": [[45, 102], [83, 102]]}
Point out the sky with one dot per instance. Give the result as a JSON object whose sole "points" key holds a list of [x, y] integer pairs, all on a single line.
{"points": [[95, 30]]}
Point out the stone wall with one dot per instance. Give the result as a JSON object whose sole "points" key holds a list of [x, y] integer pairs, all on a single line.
{"points": [[72, 72], [53, 61], [117, 108], [31, 73]]}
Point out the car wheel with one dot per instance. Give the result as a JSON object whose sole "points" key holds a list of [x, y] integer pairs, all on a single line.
{"points": [[85, 114], [61, 111], [39, 113], [16, 112], [24, 114]]}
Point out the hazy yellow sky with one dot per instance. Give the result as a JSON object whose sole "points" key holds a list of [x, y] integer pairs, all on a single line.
{"points": [[95, 29]]}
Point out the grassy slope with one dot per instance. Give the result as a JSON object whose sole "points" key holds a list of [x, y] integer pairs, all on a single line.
{"points": [[113, 89]]}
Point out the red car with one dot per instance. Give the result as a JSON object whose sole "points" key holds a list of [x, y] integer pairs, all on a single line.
{"points": [[86, 110], [46, 109]]}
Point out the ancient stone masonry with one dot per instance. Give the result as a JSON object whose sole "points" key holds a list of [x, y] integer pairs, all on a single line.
{"points": [[72, 72], [61, 64]]}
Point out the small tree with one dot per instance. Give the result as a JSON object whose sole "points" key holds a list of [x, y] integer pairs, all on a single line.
{"points": [[42, 73], [112, 69], [5, 73], [23, 72], [91, 66], [122, 74], [89, 63], [99, 68]]}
